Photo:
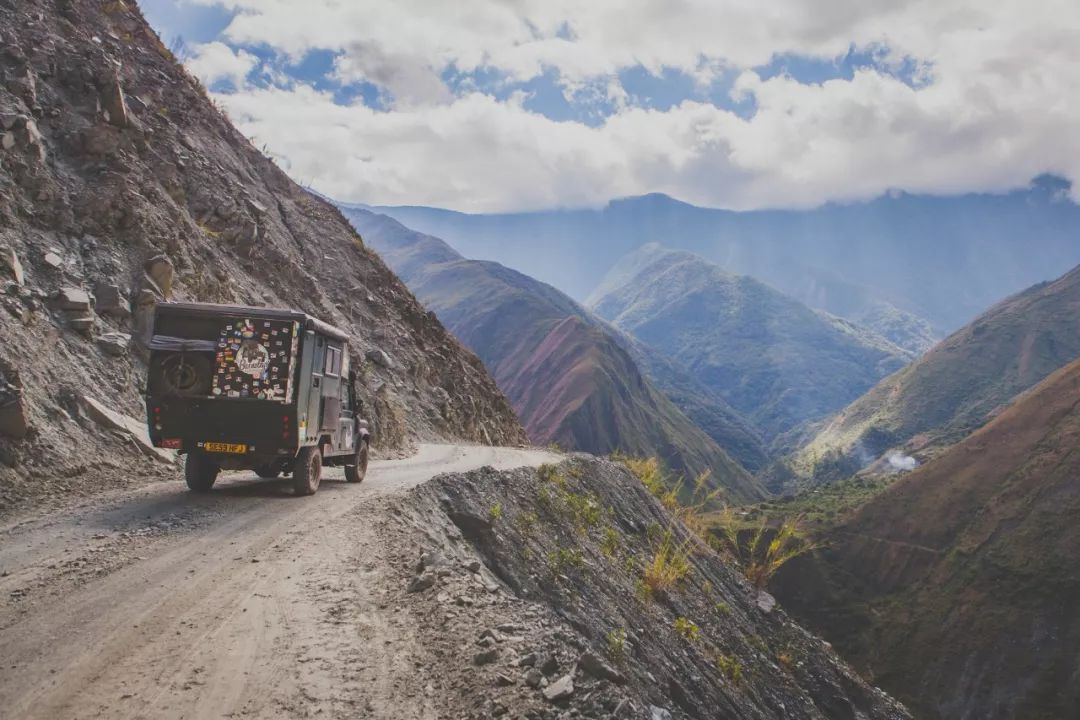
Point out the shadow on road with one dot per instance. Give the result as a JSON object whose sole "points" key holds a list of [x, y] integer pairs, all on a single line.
{"points": [[231, 494]]}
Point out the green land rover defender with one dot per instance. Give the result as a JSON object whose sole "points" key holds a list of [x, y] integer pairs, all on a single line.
{"points": [[246, 388]]}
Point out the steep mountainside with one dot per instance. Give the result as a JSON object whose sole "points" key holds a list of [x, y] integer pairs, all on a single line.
{"points": [[776, 361], [121, 185], [962, 382], [957, 588], [570, 378], [942, 259], [592, 640]]}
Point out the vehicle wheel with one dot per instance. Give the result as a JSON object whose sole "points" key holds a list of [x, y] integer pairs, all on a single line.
{"points": [[307, 472], [200, 471], [267, 472], [355, 473]]}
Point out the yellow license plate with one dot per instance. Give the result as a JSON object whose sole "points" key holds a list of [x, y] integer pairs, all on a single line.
{"points": [[225, 448]]}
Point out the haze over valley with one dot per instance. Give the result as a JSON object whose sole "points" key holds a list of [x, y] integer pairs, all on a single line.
{"points": [[539, 360]]}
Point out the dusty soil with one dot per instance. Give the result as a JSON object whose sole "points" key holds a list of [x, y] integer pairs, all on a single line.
{"points": [[243, 603]]}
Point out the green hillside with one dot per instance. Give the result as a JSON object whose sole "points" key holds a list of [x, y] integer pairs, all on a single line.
{"points": [[960, 384], [778, 363]]}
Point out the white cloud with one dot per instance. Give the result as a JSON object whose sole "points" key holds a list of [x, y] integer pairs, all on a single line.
{"points": [[215, 61], [997, 101]]}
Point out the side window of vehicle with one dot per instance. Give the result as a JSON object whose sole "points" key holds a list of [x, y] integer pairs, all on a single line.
{"points": [[333, 361]]}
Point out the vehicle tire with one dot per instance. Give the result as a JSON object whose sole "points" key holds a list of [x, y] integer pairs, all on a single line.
{"points": [[307, 471], [267, 472], [355, 473], [200, 471]]}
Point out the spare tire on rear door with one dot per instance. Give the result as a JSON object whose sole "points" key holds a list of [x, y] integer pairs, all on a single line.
{"points": [[180, 373]]}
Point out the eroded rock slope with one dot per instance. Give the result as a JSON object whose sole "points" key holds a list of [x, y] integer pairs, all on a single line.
{"points": [[121, 185], [529, 586]]}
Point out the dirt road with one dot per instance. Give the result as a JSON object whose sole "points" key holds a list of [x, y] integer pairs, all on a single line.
{"points": [[247, 602]]}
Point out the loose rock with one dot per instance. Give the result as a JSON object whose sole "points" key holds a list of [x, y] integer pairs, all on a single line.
{"points": [[594, 665], [13, 421], [114, 343], [161, 271], [421, 582], [108, 300], [11, 261], [560, 689], [486, 657], [70, 298], [83, 324], [380, 358], [534, 678]]}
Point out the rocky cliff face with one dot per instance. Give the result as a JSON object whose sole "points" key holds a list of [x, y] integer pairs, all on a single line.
{"points": [[550, 574], [573, 379], [122, 186]]}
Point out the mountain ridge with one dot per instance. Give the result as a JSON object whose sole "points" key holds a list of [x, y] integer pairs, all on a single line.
{"points": [[572, 379], [962, 382], [937, 259], [781, 364]]}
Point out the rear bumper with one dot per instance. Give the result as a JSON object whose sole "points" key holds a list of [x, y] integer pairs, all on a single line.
{"points": [[240, 434]]}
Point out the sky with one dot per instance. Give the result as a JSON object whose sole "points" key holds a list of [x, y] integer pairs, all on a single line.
{"points": [[511, 105]]}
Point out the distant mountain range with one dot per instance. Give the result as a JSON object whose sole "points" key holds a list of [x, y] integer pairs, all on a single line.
{"points": [[924, 265], [572, 379], [960, 384], [777, 362], [957, 588]]}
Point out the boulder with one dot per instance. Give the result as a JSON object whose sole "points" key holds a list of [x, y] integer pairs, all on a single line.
{"points": [[115, 343], [71, 298], [7, 140], [765, 602], [82, 324], [29, 136], [472, 526], [160, 269], [129, 426], [113, 104], [380, 358], [53, 260], [560, 689], [255, 207], [9, 259], [534, 678], [108, 300], [486, 657], [13, 421], [421, 582], [594, 665]]}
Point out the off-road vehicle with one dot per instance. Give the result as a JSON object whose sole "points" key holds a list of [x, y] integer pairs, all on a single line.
{"points": [[246, 388]]}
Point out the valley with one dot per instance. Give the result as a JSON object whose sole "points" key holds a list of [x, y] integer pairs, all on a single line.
{"points": [[812, 453]]}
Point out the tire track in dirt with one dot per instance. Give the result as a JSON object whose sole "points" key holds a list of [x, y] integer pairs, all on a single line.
{"points": [[255, 605]]}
